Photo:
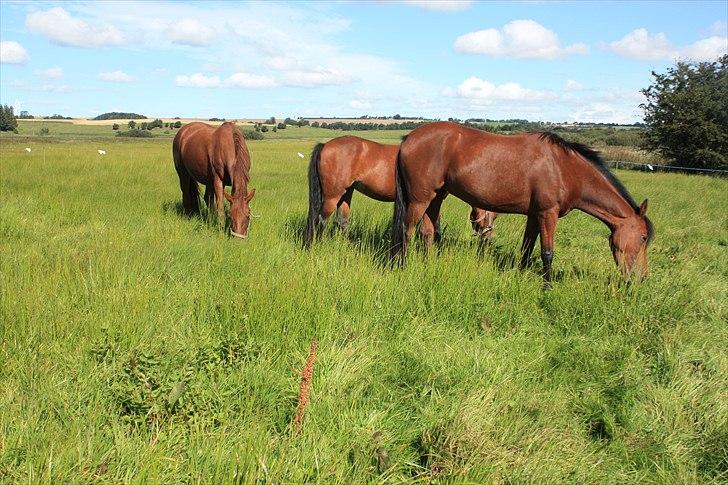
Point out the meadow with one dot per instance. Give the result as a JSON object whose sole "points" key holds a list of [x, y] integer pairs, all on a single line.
{"points": [[139, 345]]}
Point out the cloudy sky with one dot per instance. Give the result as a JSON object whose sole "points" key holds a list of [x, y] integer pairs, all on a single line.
{"points": [[554, 61]]}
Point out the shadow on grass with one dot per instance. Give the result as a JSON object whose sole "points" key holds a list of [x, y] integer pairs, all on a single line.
{"points": [[374, 238], [507, 259], [207, 221], [362, 235]]}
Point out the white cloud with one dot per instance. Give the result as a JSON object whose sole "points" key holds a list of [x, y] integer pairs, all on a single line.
{"points": [[640, 44], [12, 52], [359, 104], [706, 49], [237, 80], [252, 81], [439, 5], [50, 73], [572, 85], [115, 77], [605, 113], [318, 77], [305, 51], [60, 27], [190, 32], [719, 27], [282, 63], [520, 39], [53, 88], [481, 90], [197, 80]]}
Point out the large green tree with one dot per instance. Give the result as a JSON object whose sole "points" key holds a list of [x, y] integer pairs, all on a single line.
{"points": [[7, 119], [687, 114]]}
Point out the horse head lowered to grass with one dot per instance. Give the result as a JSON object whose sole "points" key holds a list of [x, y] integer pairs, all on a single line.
{"points": [[540, 175]]}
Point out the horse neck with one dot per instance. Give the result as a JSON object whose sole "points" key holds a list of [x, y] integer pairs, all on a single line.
{"points": [[600, 198], [239, 178]]}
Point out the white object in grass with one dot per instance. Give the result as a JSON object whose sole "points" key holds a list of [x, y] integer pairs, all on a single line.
{"points": [[650, 167], [27, 149], [102, 152], [300, 155]]}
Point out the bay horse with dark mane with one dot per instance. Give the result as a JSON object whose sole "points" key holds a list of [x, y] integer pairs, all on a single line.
{"points": [[540, 175], [348, 163], [214, 157]]}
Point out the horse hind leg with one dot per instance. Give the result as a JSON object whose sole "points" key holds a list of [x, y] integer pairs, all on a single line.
{"points": [[328, 208], [188, 186], [430, 227], [343, 210], [194, 196]]}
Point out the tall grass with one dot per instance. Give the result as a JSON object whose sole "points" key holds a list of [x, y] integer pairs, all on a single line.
{"points": [[139, 345]]}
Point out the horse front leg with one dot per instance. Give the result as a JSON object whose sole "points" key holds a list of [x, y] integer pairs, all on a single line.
{"points": [[547, 228], [219, 199], [529, 240]]}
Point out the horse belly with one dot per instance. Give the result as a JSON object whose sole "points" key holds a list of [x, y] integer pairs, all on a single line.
{"points": [[496, 193], [377, 182]]}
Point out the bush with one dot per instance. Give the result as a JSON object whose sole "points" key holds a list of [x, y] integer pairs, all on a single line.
{"points": [[263, 128], [281, 126], [44, 131], [135, 134], [115, 126], [253, 135], [177, 124]]}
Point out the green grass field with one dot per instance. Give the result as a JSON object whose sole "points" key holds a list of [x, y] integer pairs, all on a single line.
{"points": [[142, 346]]}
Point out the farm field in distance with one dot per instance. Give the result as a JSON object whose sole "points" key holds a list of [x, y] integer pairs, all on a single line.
{"points": [[139, 345]]}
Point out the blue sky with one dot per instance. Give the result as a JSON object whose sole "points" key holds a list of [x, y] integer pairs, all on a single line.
{"points": [[551, 61]]}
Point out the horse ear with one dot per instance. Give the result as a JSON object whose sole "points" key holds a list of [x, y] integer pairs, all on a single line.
{"points": [[250, 195], [228, 196], [643, 208]]}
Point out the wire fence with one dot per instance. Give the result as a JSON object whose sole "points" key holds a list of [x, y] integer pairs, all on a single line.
{"points": [[647, 167]]}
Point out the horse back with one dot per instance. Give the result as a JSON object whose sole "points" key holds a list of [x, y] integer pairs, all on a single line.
{"points": [[501, 173], [368, 166], [192, 146]]}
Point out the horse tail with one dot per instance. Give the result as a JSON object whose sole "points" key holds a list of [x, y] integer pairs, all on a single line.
{"points": [[401, 201], [242, 156], [315, 196]]}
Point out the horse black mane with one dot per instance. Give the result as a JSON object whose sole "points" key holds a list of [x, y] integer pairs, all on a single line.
{"points": [[596, 160]]}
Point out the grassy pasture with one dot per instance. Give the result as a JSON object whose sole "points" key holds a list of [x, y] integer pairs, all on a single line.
{"points": [[142, 346]]}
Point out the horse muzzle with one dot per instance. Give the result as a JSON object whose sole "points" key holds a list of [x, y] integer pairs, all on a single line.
{"points": [[237, 234]]}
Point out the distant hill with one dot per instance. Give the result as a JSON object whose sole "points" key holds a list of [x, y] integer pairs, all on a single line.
{"points": [[120, 116]]}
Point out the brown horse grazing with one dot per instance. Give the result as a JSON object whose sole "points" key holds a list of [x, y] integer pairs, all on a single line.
{"points": [[536, 174], [215, 157], [348, 163]]}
